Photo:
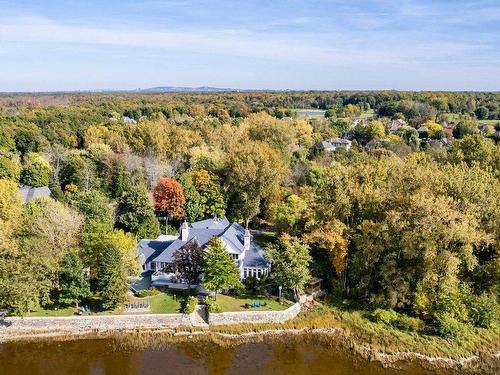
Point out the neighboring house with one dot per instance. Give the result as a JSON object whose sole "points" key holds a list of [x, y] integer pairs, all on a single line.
{"points": [[28, 193], [128, 120], [333, 144], [157, 255], [396, 124]]}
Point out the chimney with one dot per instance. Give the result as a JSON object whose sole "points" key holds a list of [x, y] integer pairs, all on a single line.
{"points": [[246, 240], [184, 231]]}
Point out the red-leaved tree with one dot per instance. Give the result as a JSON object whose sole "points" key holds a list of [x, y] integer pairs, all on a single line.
{"points": [[169, 197]]}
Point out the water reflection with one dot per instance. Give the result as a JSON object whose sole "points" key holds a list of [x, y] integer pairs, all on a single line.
{"points": [[289, 356]]}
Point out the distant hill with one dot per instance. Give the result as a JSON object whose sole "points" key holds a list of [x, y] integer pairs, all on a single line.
{"points": [[187, 89]]}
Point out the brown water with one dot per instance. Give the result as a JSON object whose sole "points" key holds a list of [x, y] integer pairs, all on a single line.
{"points": [[105, 357]]}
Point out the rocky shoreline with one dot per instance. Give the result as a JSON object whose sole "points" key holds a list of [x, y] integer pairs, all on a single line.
{"points": [[485, 363]]}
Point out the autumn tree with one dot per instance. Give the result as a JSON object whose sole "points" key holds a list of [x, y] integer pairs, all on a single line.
{"points": [[169, 198]]}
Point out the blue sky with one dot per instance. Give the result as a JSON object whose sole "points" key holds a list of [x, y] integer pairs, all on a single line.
{"points": [[274, 44]]}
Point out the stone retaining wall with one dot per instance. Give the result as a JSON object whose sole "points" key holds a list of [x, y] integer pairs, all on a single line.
{"points": [[254, 316], [90, 323], [75, 324]]}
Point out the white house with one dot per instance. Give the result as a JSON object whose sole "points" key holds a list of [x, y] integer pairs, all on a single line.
{"points": [[157, 255], [333, 144]]}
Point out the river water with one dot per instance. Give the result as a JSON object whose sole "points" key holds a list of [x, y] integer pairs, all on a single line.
{"points": [[105, 357]]}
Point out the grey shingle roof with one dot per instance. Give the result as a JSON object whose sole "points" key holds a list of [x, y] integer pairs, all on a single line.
{"points": [[202, 232], [29, 193], [255, 257], [152, 248]]}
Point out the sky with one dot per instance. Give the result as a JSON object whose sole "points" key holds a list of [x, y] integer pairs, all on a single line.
{"points": [[250, 44]]}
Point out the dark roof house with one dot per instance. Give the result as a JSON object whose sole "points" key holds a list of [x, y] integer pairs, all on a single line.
{"points": [[158, 254]]}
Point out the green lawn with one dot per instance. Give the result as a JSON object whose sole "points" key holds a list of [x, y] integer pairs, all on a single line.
{"points": [[229, 303], [161, 303], [68, 311], [489, 122], [265, 238]]}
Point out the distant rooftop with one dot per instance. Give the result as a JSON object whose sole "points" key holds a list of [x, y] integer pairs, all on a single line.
{"points": [[28, 193]]}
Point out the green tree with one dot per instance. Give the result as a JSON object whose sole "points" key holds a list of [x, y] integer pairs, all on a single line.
{"points": [[49, 230], [36, 170], [10, 168], [28, 138], [17, 286], [219, 268], [135, 214], [290, 261], [73, 283], [482, 113], [287, 214], [465, 126], [410, 136], [94, 206], [111, 278], [253, 170], [203, 194]]}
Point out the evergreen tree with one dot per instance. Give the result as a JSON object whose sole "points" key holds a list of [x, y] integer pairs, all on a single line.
{"points": [[219, 268], [73, 284], [111, 281]]}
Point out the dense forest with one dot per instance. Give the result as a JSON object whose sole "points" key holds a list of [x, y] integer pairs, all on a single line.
{"points": [[397, 223]]}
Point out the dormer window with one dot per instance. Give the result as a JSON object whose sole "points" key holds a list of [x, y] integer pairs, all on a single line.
{"points": [[235, 256]]}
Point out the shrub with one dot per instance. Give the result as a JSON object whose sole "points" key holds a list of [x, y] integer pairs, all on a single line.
{"points": [[188, 304], [147, 292], [212, 305], [407, 323], [400, 321], [384, 316], [485, 311], [449, 328]]}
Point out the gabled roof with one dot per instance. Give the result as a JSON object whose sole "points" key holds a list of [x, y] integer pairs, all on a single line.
{"points": [[29, 193], [163, 248], [151, 249], [332, 142]]}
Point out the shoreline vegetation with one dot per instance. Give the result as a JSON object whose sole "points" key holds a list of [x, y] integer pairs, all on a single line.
{"points": [[477, 352]]}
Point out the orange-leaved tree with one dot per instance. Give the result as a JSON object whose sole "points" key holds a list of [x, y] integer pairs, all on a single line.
{"points": [[169, 197]]}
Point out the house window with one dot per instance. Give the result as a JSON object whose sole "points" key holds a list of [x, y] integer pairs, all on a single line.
{"points": [[153, 265], [235, 256]]}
